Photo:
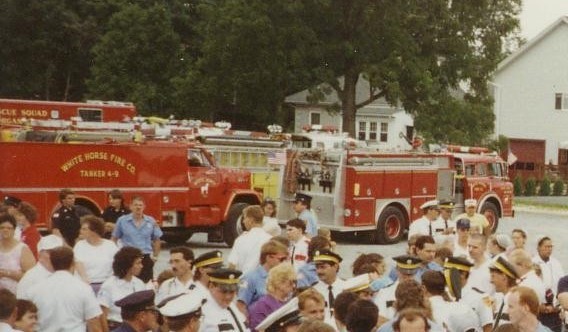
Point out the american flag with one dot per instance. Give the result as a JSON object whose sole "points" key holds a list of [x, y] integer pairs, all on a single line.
{"points": [[276, 158]]}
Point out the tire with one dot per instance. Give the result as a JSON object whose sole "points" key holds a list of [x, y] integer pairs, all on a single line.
{"points": [[232, 227], [177, 236], [391, 225], [491, 212]]}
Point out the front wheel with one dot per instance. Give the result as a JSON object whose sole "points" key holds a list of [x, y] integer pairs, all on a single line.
{"points": [[391, 224], [491, 212], [232, 227]]}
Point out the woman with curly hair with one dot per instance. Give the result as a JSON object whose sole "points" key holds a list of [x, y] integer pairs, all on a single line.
{"points": [[126, 266]]}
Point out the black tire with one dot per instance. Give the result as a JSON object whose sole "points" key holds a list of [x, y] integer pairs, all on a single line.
{"points": [[180, 236], [491, 212], [232, 227], [391, 225]]}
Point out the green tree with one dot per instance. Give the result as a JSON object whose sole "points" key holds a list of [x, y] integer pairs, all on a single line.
{"points": [[518, 186], [253, 54], [530, 187], [412, 52], [544, 189], [46, 46], [558, 188], [137, 58]]}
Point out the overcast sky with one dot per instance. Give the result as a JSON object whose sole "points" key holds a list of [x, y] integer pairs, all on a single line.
{"points": [[539, 14]]}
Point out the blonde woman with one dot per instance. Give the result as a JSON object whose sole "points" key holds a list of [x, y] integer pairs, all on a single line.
{"points": [[280, 287]]}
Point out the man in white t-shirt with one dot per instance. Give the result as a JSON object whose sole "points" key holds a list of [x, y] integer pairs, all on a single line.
{"points": [[479, 276], [42, 269], [65, 303], [245, 255]]}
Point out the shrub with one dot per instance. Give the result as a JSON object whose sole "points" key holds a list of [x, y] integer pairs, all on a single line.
{"points": [[544, 187], [518, 185], [530, 187], [558, 188]]}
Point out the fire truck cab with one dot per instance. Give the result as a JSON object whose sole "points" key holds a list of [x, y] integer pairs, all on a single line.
{"points": [[367, 192], [180, 182]]}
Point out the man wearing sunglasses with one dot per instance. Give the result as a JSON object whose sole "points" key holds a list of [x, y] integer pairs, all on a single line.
{"points": [[253, 283]]}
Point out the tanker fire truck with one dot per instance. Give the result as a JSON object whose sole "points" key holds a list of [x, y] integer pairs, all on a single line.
{"points": [[377, 195], [183, 188], [13, 111]]}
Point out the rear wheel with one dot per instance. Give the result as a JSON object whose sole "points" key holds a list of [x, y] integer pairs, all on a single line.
{"points": [[491, 212], [390, 227], [232, 227]]}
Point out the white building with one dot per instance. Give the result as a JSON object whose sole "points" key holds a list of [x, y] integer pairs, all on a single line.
{"points": [[531, 91], [378, 123]]}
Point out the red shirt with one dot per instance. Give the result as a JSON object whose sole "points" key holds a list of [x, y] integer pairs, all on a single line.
{"points": [[31, 237]]}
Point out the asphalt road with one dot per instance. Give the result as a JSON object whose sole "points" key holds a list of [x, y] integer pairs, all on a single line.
{"points": [[555, 225]]}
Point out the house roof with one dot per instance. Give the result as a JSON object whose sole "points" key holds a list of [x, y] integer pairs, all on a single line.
{"points": [[525, 48], [362, 94]]}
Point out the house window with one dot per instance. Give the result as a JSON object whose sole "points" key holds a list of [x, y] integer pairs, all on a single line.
{"points": [[315, 118], [362, 134], [372, 131], [384, 131], [561, 101]]}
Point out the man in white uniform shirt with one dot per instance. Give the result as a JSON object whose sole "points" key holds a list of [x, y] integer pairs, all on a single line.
{"points": [[181, 259], [425, 224], [522, 262], [42, 269], [406, 268], [220, 312], [444, 226], [65, 303], [329, 284], [552, 271], [456, 273], [245, 254], [479, 276]]}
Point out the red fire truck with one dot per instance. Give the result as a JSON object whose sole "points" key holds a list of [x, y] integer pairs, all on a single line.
{"points": [[366, 192], [182, 187], [13, 111]]}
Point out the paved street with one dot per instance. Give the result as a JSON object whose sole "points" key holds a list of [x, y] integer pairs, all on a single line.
{"points": [[554, 225]]}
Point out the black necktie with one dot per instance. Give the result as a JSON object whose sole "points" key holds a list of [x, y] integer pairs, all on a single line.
{"points": [[430, 228], [235, 319], [293, 251], [330, 296]]}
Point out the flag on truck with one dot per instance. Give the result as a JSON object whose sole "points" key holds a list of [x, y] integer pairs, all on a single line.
{"points": [[276, 158]]}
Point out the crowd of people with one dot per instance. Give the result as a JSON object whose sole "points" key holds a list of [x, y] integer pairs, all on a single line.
{"points": [[97, 274]]}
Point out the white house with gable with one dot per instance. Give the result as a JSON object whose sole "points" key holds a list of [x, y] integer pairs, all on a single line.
{"points": [[531, 91], [378, 123]]}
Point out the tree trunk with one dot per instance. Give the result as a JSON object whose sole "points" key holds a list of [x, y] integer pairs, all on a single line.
{"points": [[348, 102]]}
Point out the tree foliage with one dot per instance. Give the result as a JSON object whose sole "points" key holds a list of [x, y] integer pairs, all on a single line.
{"points": [[238, 60]]}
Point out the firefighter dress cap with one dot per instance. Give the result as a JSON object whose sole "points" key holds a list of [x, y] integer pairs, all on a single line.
{"points": [[326, 256], [462, 317], [287, 315], [12, 201], [407, 264], [225, 278], [358, 283], [137, 301], [502, 265], [182, 304], [302, 198], [211, 259], [429, 205], [470, 202], [49, 242], [459, 263], [503, 241], [446, 204]]}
